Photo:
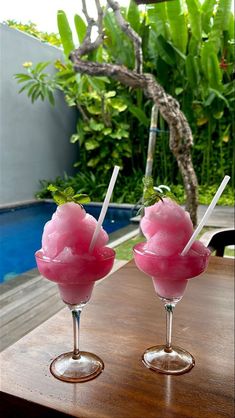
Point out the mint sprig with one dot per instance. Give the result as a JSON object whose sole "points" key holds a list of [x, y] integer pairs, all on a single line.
{"points": [[150, 196], [67, 195]]}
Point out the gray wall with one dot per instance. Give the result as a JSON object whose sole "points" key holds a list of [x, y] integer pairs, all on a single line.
{"points": [[34, 139]]}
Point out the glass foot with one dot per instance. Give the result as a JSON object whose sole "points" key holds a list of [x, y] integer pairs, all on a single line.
{"points": [[74, 370], [175, 361]]}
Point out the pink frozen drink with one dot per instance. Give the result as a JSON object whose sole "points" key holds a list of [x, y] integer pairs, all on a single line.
{"points": [[167, 228], [65, 258]]}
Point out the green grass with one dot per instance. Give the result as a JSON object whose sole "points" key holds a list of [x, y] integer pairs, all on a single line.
{"points": [[229, 252], [124, 251]]}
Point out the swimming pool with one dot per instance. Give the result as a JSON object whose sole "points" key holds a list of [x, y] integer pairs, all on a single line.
{"points": [[21, 231]]}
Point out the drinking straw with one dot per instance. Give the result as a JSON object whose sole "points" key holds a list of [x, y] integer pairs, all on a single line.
{"points": [[104, 207], [207, 214]]}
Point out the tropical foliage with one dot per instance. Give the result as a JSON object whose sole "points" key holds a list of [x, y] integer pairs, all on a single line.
{"points": [[128, 189], [31, 29], [189, 47]]}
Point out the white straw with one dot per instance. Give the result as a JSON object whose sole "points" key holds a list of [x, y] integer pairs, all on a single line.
{"points": [[207, 214], [104, 207]]}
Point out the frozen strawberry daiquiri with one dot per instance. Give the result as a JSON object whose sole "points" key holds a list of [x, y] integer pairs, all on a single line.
{"points": [[65, 259], [168, 228]]}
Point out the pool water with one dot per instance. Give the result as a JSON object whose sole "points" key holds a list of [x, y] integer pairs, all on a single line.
{"points": [[21, 232]]}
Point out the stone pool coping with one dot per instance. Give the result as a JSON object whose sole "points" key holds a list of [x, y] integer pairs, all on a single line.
{"points": [[17, 204], [115, 238]]}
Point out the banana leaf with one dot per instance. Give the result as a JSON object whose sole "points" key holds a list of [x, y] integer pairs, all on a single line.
{"points": [[133, 16], [177, 25], [157, 16], [222, 16], [194, 15], [165, 50], [65, 32], [207, 13], [214, 72], [80, 27], [192, 71]]}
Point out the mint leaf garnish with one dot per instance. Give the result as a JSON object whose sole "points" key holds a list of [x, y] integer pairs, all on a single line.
{"points": [[81, 198], [69, 192], [59, 197], [150, 196], [67, 195]]}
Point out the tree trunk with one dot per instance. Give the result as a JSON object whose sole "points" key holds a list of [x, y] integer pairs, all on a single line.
{"points": [[181, 139]]}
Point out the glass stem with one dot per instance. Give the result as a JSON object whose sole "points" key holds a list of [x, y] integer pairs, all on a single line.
{"points": [[76, 313], [169, 316]]}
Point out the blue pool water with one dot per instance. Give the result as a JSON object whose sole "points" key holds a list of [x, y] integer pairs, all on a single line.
{"points": [[21, 231]]}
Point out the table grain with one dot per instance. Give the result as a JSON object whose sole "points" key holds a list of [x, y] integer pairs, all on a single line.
{"points": [[123, 318]]}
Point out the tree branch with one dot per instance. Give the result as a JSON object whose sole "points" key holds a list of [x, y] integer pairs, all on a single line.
{"points": [[127, 29], [87, 45]]}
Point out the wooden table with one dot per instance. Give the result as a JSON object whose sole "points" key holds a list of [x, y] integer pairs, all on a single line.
{"points": [[123, 318]]}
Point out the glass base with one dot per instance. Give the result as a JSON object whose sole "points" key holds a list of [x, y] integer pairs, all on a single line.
{"points": [[175, 361], [74, 370]]}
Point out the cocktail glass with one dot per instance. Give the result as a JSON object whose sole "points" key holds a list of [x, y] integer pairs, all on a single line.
{"points": [[170, 276], [76, 281]]}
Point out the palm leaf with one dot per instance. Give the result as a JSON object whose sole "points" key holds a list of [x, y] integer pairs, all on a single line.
{"points": [[231, 27], [192, 71], [222, 16], [214, 72], [206, 49], [80, 27], [178, 26], [118, 45], [165, 50], [133, 16], [65, 32], [157, 15], [207, 13], [210, 65], [194, 15]]}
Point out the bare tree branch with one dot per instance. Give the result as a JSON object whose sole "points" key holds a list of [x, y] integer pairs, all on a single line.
{"points": [[99, 18], [87, 45], [127, 29]]}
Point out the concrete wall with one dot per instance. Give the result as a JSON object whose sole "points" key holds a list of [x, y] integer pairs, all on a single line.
{"points": [[34, 138]]}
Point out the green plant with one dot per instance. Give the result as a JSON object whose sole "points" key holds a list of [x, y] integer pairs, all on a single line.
{"points": [[31, 29], [102, 134], [127, 189], [37, 83], [196, 65], [124, 251], [80, 183], [61, 196], [193, 64]]}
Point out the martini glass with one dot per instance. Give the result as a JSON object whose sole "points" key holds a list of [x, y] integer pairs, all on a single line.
{"points": [[170, 276], [76, 281]]}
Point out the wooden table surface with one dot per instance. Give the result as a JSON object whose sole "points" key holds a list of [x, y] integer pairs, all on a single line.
{"points": [[123, 318]]}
